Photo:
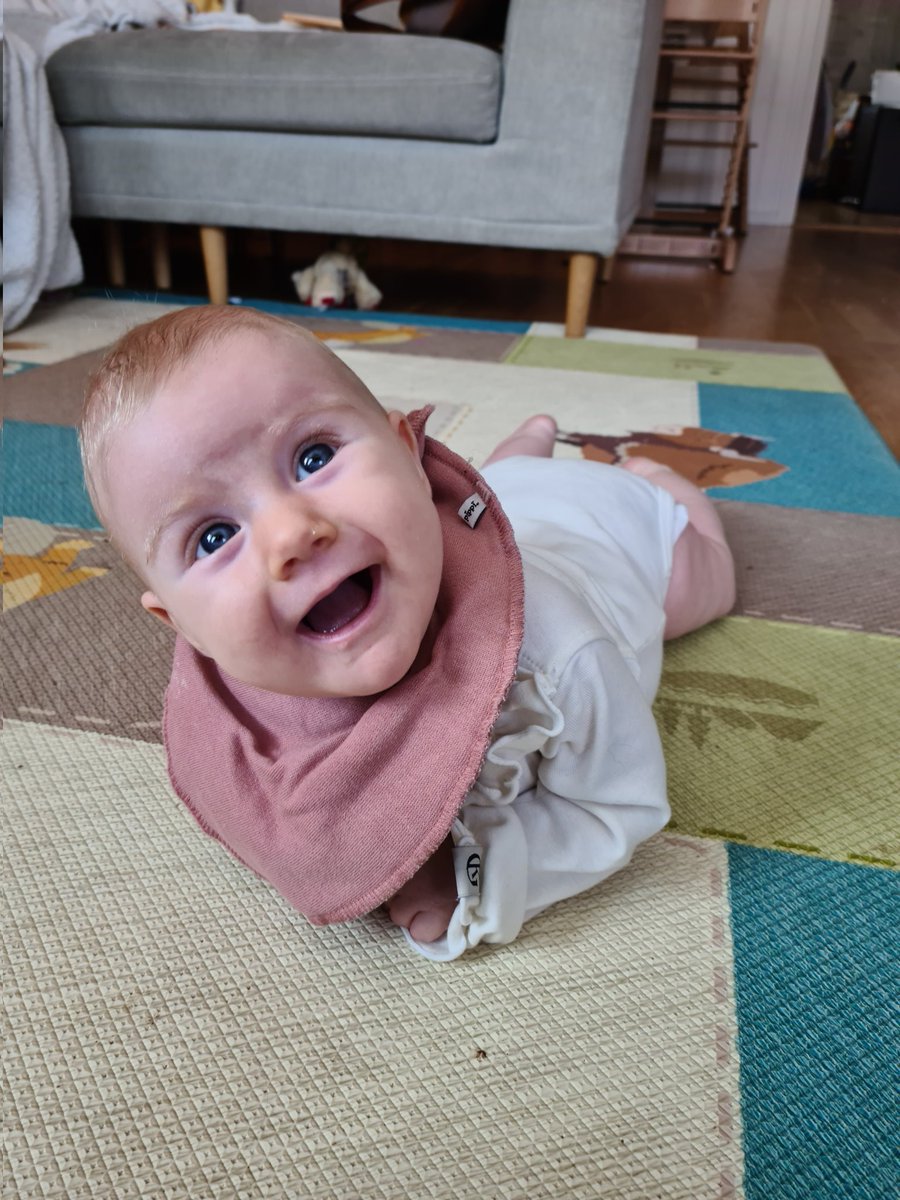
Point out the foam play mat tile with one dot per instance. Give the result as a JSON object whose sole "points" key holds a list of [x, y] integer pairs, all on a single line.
{"points": [[758, 716]]}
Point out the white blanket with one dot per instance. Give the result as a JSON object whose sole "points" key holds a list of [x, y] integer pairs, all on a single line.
{"points": [[39, 250]]}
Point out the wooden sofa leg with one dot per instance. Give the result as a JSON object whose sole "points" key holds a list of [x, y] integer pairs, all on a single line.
{"points": [[115, 254], [582, 273], [215, 262], [162, 262]]}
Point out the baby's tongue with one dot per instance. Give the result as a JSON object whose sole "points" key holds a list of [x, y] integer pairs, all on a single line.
{"points": [[340, 607]]}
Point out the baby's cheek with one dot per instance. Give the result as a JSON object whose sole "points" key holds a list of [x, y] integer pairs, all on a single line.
{"points": [[225, 626]]}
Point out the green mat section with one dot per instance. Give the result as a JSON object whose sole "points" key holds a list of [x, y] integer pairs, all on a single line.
{"points": [[785, 737], [793, 372]]}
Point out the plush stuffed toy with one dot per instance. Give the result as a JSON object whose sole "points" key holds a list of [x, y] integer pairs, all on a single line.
{"points": [[335, 280]]}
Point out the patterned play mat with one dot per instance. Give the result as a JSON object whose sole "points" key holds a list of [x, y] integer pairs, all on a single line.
{"points": [[718, 1021]]}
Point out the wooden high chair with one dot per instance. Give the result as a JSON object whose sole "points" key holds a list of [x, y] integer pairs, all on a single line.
{"points": [[699, 38]]}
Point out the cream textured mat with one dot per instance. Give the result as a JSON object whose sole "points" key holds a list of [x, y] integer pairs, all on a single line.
{"points": [[176, 1030]]}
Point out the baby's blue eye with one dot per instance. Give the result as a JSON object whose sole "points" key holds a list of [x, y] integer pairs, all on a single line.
{"points": [[214, 537], [313, 458]]}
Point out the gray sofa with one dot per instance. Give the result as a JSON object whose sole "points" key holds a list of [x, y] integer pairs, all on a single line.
{"points": [[541, 145]]}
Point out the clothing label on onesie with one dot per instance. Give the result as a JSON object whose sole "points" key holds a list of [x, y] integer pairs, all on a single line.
{"points": [[470, 510], [467, 865]]}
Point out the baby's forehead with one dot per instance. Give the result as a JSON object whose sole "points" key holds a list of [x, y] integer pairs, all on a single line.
{"points": [[267, 356], [260, 381], [327, 382]]}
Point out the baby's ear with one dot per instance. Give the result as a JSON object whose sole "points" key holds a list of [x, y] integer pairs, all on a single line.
{"points": [[400, 424], [412, 439], [417, 419], [153, 606]]}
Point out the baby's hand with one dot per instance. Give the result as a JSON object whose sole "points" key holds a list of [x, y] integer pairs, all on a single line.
{"points": [[425, 903]]}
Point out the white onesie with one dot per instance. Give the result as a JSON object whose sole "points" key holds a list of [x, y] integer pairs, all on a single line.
{"points": [[574, 777]]}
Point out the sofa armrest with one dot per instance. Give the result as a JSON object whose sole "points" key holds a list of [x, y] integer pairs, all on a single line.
{"points": [[580, 74]]}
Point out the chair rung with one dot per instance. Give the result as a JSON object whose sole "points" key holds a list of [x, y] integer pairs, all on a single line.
{"points": [[709, 53]]}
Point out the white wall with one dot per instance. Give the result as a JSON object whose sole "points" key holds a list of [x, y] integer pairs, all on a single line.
{"points": [[793, 47]]}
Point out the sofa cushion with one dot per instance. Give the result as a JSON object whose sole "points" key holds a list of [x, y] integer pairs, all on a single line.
{"points": [[306, 81]]}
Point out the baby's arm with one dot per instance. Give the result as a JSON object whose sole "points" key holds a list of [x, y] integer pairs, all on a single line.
{"points": [[600, 791], [601, 787]]}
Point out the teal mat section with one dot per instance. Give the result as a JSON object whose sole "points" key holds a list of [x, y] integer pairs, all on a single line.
{"points": [[814, 959], [812, 433], [42, 475]]}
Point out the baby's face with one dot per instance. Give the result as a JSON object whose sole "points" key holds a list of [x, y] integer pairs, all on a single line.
{"points": [[282, 522]]}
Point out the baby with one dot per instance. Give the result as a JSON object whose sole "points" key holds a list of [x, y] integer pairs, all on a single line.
{"points": [[396, 682]]}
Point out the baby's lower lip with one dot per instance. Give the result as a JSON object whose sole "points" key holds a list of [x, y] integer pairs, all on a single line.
{"points": [[343, 608]]}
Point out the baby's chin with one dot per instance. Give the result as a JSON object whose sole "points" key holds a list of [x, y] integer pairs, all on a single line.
{"points": [[353, 684]]}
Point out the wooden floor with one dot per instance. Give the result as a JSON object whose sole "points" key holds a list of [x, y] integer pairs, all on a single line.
{"points": [[828, 214], [838, 289]]}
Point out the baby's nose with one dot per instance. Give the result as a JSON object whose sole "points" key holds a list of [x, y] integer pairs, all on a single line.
{"points": [[292, 538]]}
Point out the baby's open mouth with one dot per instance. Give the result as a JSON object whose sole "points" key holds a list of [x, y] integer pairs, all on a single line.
{"points": [[341, 606]]}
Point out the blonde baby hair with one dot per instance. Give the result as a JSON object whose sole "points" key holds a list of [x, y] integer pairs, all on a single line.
{"points": [[139, 364]]}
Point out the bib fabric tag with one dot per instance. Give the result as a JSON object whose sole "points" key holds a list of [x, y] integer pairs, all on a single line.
{"points": [[467, 865], [471, 509]]}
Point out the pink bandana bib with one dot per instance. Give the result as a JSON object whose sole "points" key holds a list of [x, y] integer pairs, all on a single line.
{"points": [[338, 802]]}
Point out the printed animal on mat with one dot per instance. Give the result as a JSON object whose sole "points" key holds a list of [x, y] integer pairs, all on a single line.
{"points": [[706, 457], [37, 564]]}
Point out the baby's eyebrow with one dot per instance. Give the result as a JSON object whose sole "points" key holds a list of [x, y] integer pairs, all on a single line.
{"points": [[159, 527]]}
